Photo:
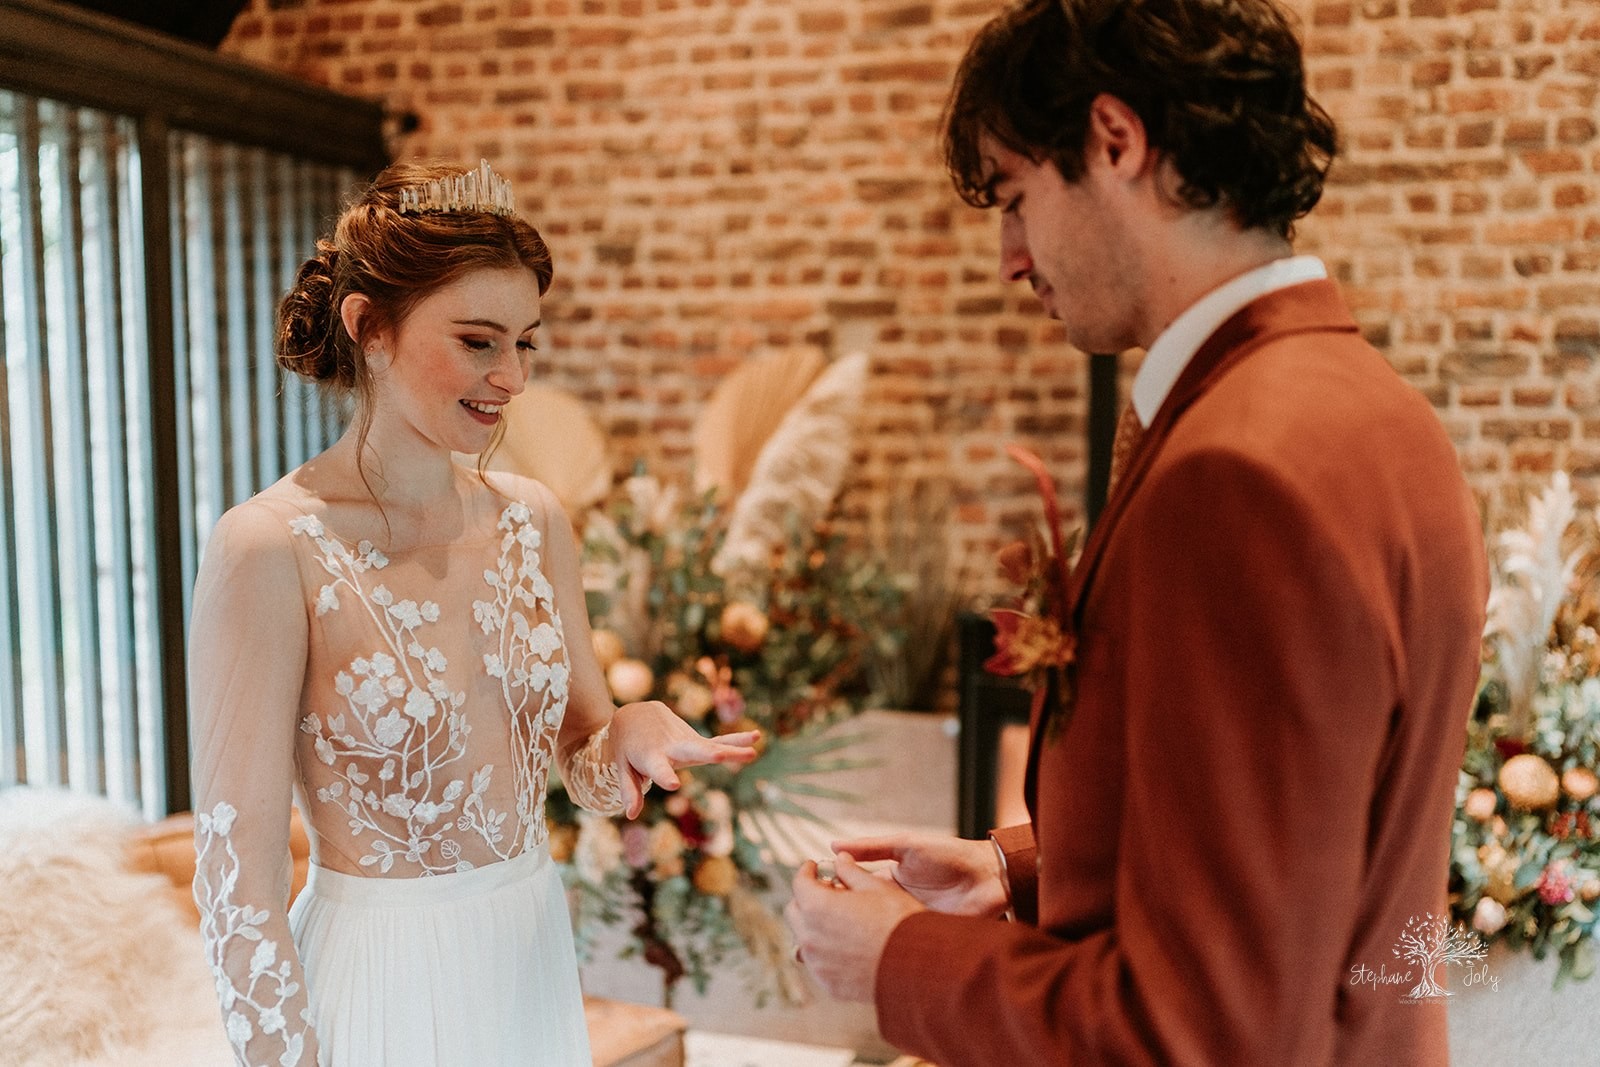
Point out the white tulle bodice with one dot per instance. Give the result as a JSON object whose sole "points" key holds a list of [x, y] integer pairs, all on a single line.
{"points": [[435, 689]]}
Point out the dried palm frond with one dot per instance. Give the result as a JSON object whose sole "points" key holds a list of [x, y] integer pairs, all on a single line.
{"points": [[552, 437], [744, 410], [798, 474], [1538, 575], [769, 945]]}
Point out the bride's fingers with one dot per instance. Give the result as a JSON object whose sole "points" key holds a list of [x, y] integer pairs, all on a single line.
{"points": [[632, 798], [743, 738]]}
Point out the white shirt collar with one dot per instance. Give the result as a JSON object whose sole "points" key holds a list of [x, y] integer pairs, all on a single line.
{"points": [[1171, 352]]}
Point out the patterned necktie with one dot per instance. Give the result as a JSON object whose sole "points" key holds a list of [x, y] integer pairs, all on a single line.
{"points": [[1129, 432]]}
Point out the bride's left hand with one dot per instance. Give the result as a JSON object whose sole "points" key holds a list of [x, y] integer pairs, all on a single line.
{"points": [[651, 742]]}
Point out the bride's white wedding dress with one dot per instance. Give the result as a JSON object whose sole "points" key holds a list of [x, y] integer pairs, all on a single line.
{"points": [[433, 928]]}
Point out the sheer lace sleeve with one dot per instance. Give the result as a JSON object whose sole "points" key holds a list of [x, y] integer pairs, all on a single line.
{"points": [[584, 756], [246, 670]]}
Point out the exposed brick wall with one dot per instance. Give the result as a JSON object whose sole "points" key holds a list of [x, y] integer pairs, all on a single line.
{"points": [[719, 178]]}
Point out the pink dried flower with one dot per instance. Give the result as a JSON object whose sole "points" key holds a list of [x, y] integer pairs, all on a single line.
{"points": [[1555, 885]]}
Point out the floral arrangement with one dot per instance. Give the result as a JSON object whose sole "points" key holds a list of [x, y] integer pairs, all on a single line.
{"points": [[1525, 858], [1031, 640], [781, 649]]}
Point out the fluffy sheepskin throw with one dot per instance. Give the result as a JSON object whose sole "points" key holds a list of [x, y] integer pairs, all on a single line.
{"points": [[97, 965]]}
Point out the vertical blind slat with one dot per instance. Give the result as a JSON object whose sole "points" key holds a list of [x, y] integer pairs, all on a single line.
{"points": [[13, 768], [269, 455], [117, 583], [43, 614], [78, 577], [206, 365], [235, 436], [182, 345], [292, 389], [141, 336]]}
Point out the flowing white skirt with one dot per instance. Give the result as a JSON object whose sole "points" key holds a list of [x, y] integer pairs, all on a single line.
{"points": [[471, 968]]}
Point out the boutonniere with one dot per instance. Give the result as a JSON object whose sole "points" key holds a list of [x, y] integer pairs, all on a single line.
{"points": [[1033, 635]]}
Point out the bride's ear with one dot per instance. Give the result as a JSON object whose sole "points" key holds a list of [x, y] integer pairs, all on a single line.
{"points": [[355, 312]]}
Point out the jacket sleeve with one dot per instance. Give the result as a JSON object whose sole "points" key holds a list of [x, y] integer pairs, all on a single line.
{"points": [[246, 672], [1257, 676], [1019, 866]]}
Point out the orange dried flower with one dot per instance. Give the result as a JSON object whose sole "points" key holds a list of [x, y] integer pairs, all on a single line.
{"points": [[1024, 643]]}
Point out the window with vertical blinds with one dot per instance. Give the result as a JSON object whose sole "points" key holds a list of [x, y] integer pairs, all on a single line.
{"points": [[141, 262]]}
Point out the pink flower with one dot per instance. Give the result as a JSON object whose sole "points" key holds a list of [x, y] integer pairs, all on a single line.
{"points": [[636, 845], [1555, 885]]}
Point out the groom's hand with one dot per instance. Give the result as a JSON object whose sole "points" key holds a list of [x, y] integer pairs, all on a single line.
{"points": [[841, 932], [945, 873]]}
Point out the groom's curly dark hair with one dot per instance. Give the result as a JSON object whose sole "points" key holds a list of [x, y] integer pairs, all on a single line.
{"points": [[1219, 85]]}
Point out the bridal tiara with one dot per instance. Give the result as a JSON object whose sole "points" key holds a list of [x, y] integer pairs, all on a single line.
{"points": [[476, 190]]}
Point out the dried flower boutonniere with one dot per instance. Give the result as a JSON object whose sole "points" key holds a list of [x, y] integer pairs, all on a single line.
{"points": [[1033, 638]]}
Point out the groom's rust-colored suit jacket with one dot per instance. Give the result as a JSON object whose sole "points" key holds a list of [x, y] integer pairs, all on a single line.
{"points": [[1278, 620]]}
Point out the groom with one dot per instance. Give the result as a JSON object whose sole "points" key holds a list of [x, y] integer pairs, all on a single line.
{"points": [[1246, 795]]}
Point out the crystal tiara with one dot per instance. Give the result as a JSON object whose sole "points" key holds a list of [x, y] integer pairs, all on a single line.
{"points": [[476, 190]]}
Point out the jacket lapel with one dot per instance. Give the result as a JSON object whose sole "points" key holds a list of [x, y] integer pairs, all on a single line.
{"points": [[1309, 307]]}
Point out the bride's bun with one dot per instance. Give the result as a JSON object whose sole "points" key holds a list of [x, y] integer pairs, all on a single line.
{"points": [[309, 331]]}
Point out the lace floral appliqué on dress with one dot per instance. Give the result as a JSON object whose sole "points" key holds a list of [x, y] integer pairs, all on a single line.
{"points": [[397, 749]]}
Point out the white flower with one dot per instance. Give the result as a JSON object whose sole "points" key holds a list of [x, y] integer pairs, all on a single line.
{"points": [[517, 511], [271, 1020], [419, 705], [435, 661], [382, 597], [426, 812], [382, 665], [324, 750], [493, 666], [395, 686], [599, 848], [398, 804], [544, 641], [406, 614], [559, 674], [222, 817], [430, 611], [1489, 917], [720, 843], [388, 730], [266, 955], [327, 600], [528, 537], [370, 696], [343, 684], [239, 1030], [718, 807], [307, 524]]}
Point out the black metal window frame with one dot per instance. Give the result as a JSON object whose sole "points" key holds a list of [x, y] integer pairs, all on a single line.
{"points": [[167, 87]]}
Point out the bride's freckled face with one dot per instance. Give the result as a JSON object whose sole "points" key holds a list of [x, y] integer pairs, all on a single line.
{"points": [[460, 355]]}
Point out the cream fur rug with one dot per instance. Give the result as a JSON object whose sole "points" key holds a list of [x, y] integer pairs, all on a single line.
{"points": [[97, 967]]}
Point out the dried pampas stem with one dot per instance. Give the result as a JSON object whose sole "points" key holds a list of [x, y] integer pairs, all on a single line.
{"points": [[800, 469]]}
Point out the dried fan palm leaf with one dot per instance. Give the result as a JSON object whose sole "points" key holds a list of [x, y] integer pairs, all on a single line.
{"points": [[800, 469], [742, 414], [552, 437]]}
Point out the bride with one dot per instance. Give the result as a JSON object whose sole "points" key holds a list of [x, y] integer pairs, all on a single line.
{"points": [[399, 645]]}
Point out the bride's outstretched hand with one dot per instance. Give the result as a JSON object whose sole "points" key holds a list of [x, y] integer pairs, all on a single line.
{"points": [[651, 742]]}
